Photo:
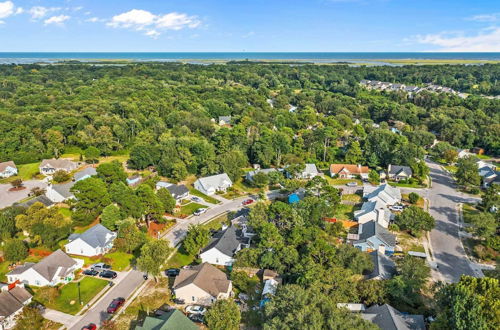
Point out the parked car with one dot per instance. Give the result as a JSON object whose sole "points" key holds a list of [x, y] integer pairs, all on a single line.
{"points": [[100, 266], [115, 304], [397, 208], [172, 272], [91, 326], [179, 301], [196, 199], [247, 201], [351, 184], [196, 309], [196, 318], [90, 272], [108, 274], [199, 211]]}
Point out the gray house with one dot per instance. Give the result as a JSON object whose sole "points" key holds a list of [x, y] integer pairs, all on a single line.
{"points": [[389, 318], [384, 268], [50, 166], [372, 236], [397, 172], [97, 240], [223, 247]]}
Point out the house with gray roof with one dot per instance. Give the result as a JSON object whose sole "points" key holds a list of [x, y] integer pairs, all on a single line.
{"points": [[84, 174], [211, 184], [249, 176], [398, 173], [97, 240], [388, 318], [223, 247], [60, 192], [50, 166], [178, 191], [202, 284], [385, 194], [383, 267], [39, 199], [372, 236], [12, 302], [8, 169], [374, 210], [50, 271]]}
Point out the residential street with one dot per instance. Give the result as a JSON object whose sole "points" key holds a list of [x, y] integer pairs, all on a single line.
{"points": [[97, 313], [447, 249]]}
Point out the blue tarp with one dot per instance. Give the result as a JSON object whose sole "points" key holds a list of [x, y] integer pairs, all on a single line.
{"points": [[293, 198]]}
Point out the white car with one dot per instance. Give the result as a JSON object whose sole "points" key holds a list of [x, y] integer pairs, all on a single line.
{"points": [[199, 211], [351, 184], [196, 199], [397, 208], [195, 309]]}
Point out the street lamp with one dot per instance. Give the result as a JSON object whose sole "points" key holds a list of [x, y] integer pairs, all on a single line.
{"points": [[79, 293]]}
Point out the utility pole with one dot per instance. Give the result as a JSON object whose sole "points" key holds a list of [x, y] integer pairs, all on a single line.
{"points": [[79, 293]]}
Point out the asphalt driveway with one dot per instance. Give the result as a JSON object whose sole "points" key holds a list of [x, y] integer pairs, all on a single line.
{"points": [[7, 198]]}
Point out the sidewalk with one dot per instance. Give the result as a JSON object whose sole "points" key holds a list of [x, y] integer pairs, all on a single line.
{"points": [[59, 317]]}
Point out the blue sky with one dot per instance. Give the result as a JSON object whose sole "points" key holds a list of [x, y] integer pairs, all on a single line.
{"points": [[257, 25]]}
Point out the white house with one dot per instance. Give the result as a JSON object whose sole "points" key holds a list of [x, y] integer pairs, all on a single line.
{"points": [[373, 210], [309, 172], [211, 184], [58, 193], [385, 194], [8, 169], [462, 153], [249, 176], [13, 298], [95, 241], [398, 173], [50, 166], [223, 247], [178, 191], [202, 284], [51, 270]]}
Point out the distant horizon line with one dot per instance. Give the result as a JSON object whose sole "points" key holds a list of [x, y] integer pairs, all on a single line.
{"points": [[258, 52]]}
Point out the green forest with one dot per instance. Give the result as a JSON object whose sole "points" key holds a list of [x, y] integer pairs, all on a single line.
{"points": [[161, 113]]}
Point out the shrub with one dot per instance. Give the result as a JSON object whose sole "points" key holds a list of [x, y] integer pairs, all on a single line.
{"points": [[15, 250], [413, 197]]}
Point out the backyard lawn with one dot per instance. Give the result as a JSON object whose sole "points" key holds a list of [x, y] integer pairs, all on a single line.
{"points": [[207, 199], [67, 301], [345, 212], [118, 261], [65, 211], [340, 182], [354, 198]]}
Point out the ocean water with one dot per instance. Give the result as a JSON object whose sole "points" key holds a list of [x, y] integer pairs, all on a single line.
{"points": [[318, 57]]}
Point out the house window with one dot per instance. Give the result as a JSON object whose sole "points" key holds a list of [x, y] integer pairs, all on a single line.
{"points": [[192, 298], [216, 260]]}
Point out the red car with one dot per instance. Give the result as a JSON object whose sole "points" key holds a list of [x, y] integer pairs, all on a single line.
{"points": [[115, 304], [91, 326], [247, 202]]}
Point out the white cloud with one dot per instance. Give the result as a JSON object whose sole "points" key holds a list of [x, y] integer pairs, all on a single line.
{"points": [[38, 12], [6, 9], [94, 20], [19, 10], [485, 17], [57, 20], [143, 20], [486, 40]]}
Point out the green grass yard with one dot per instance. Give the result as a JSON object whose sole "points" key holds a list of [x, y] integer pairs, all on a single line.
{"points": [[180, 258], [345, 212], [188, 209], [119, 261], [340, 182], [406, 185], [451, 168], [207, 199], [67, 301], [354, 198]]}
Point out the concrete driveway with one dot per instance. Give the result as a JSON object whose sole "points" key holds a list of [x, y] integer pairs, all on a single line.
{"points": [[7, 198], [97, 314]]}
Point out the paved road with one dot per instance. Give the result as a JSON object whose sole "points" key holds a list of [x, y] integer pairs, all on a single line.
{"points": [[448, 251], [97, 313], [177, 233], [7, 198]]}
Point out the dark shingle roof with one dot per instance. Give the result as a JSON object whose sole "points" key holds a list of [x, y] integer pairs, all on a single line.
{"points": [[384, 267], [13, 300], [177, 190], [48, 267], [39, 199], [226, 242], [388, 318], [371, 228], [96, 236], [87, 171], [396, 169]]}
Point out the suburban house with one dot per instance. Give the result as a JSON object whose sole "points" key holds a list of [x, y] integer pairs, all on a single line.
{"points": [[211, 184], [51, 270], [39, 199], [58, 193], [171, 320], [202, 284], [384, 268], [309, 172], [349, 171], [388, 318], [249, 176], [385, 194], [374, 210], [178, 191], [224, 120], [13, 298], [398, 173], [50, 166], [372, 236], [487, 172], [8, 169], [84, 174], [223, 247], [95, 241], [462, 153]]}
